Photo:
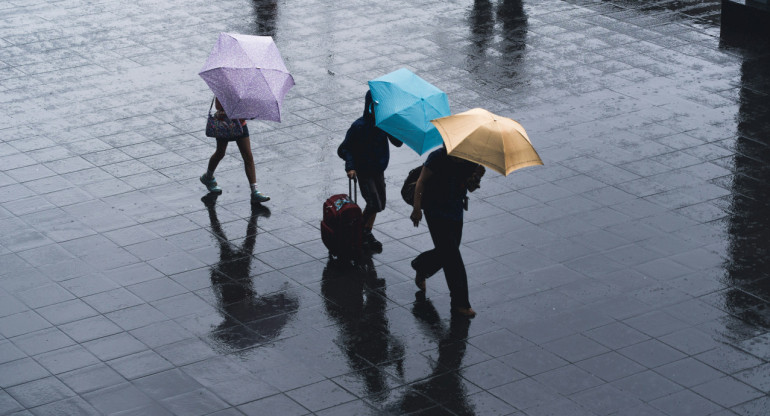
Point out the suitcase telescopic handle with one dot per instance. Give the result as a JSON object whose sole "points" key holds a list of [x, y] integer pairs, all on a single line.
{"points": [[352, 189]]}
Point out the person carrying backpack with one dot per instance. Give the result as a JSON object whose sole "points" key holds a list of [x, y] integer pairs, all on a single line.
{"points": [[366, 153], [441, 193]]}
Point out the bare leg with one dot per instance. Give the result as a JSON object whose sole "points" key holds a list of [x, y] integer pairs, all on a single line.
{"points": [[244, 145], [218, 155]]}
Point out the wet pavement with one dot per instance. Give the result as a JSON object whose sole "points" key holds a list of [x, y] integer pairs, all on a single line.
{"points": [[627, 276]]}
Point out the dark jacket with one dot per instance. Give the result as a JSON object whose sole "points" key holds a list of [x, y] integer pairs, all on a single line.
{"points": [[446, 189], [365, 148]]}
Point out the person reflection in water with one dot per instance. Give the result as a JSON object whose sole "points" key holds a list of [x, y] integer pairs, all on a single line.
{"points": [[249, 319], [266, 12], [511, 43], [355, 298], [748, 252], [482, 25], [445, 385]]}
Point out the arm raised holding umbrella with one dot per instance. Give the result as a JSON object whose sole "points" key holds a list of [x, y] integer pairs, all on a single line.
{"points": [[471, 139], [366, 153], [244, 146], [440, 193], [249, 80]]}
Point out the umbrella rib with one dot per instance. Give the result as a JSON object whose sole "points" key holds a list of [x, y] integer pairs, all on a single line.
{"points": [[422, 145], [502, 139], [273, 70]]}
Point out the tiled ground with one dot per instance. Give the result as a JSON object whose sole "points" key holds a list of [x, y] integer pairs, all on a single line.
{"points": [[628, 276]]}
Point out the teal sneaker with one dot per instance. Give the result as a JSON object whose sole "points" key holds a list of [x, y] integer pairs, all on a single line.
{"points": [[258, 197], [211, 184]]}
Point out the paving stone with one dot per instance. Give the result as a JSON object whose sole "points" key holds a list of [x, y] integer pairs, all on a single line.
{"points": [[687, 372], [651, 353], [647, 385], [610, 366], [685, 402], [727, 391], [121, 397], [22, 323], [21, 371], [40, 392], [42, 341], [533, 360], [605, 399], [525, 394], [754, 407], [756, 377]]}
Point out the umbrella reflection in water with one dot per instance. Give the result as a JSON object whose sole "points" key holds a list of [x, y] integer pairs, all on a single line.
{"points": [[249, 319]]}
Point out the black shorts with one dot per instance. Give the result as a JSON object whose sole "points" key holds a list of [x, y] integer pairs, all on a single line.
{"points": [[373, 190], [235, 139]]}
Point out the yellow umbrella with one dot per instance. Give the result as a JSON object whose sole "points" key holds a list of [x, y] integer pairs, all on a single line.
{"points": [[496, 142]]}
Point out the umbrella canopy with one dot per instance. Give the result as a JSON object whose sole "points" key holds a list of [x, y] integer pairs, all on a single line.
{"points": [[496, 142], [248, 76], [404, 106]]}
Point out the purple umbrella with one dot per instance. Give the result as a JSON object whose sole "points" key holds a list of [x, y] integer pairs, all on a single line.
{"points": [[248, 76]]}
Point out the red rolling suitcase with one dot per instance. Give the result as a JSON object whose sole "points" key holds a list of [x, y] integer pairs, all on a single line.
{"points": [[342, 224]]}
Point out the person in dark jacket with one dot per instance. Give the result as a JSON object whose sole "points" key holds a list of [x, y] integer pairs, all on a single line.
{"points": [[366, 153], [441, 192]]}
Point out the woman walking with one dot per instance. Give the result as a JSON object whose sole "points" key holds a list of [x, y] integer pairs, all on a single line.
{"points": [[244, 145]]}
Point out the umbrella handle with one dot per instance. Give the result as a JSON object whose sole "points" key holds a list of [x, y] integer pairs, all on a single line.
{"points": [[352, 189]]}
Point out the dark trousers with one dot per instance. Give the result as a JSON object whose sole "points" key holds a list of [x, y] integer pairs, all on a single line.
{"points": [[446, 235]]}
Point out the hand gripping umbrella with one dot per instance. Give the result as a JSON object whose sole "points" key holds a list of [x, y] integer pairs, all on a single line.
{"points": [[404, 106], [496, 142], [248, 76]]}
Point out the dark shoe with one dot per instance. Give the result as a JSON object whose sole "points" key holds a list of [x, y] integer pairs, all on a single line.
{"points": [[466, 312], [419, 277], [371, 243]]}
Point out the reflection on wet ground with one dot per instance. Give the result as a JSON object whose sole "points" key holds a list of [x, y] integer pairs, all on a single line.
{"points": [[512, 20], [266, 14], [248, 318], [629, 275], [445, 385], [748, 270], [355, 298]]}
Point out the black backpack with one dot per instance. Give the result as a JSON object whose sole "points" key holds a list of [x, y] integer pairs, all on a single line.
{"points": [[407, 190]]}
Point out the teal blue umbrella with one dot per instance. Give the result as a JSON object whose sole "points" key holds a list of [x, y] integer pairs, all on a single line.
{"points": [[404, 105]]}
